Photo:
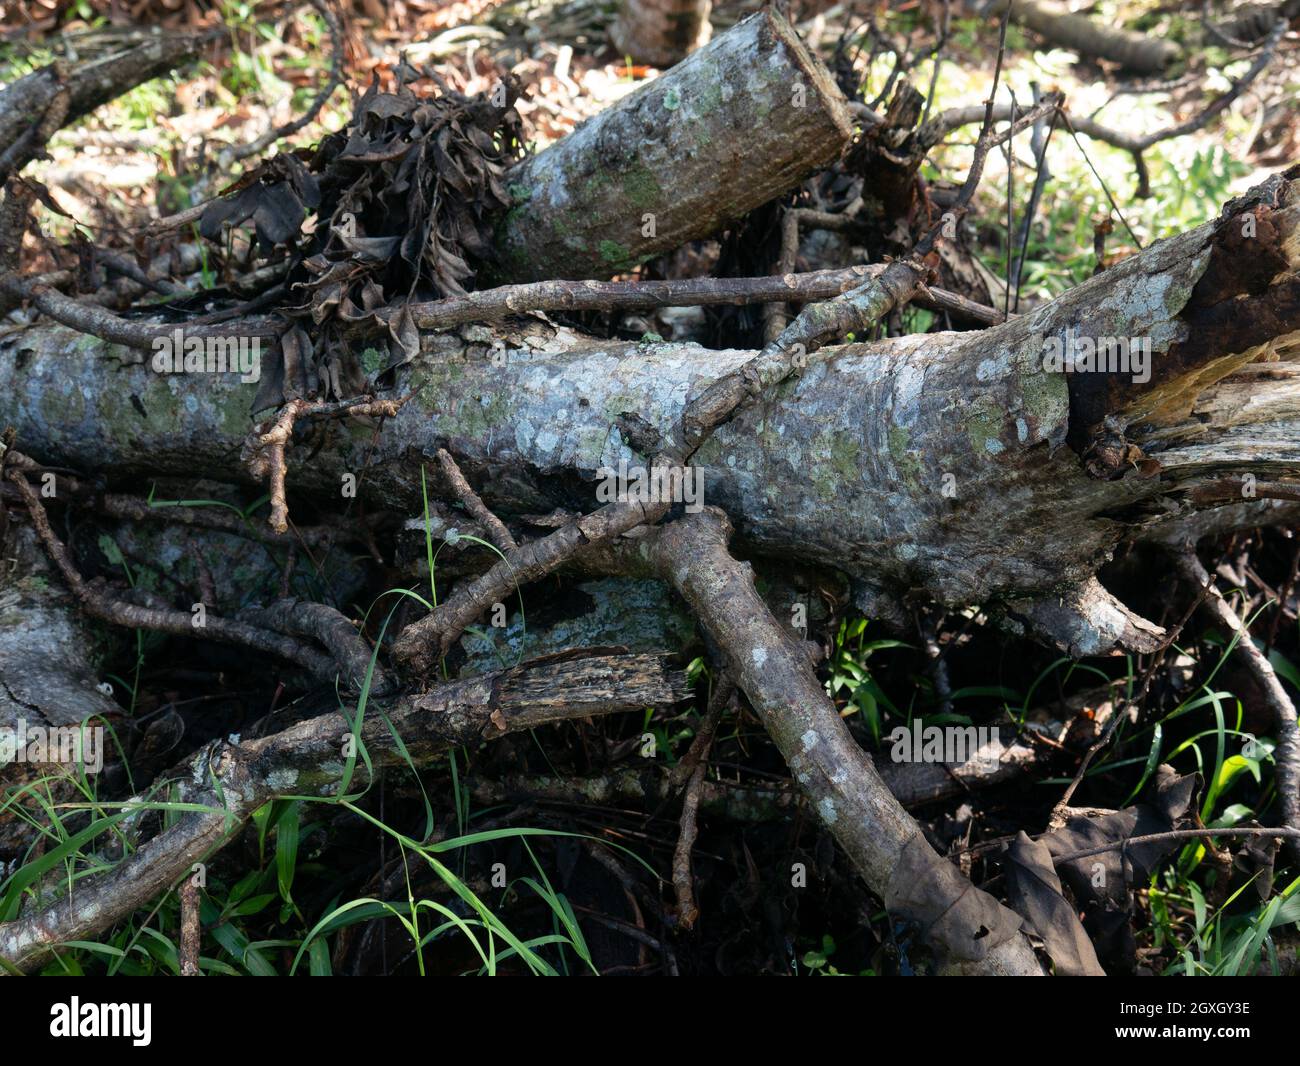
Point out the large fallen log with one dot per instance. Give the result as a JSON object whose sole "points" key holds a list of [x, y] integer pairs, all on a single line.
{"points": [[737, 123], [945, 465]]}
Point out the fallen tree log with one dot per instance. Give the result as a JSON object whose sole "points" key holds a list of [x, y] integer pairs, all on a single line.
{"points": [[739, 122], [131, 60], [310, 759], [1138, 52], [944, 466]]}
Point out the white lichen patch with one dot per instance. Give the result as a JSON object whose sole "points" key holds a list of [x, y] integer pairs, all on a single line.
{"points": [[281, 780]]}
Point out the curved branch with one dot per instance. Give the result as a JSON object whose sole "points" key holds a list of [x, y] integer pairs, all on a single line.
{"points": [[969, 930]]}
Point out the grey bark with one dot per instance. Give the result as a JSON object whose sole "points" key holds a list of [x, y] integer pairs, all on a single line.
{"points": [[739, 122], [50, 658], [931, 465], [968, 929], [90, 82], [306, 760], [1140, 53]]}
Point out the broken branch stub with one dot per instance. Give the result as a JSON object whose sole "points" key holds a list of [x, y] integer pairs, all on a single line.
{"points": [[736, 124]]}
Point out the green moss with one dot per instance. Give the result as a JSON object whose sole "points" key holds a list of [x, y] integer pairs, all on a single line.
{"points": [[640, 187], [624, 401], [1046, 396], [905, 460], [984, 423], [62, 404], [616, 255], [844, 456]]}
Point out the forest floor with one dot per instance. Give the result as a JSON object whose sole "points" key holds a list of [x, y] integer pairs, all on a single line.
{"points": [[775, 895]]}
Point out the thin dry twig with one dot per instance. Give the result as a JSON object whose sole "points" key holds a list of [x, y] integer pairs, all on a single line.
{"points": [[496, 529], [236, 152], [693, 767], [265, 450], [1286, 756], [486, 305], [1292, 835]]}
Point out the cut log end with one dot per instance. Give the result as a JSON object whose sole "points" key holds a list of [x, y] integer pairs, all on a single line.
{"points": [[737, 123]]}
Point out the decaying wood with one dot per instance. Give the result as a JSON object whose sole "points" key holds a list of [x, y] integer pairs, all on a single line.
{"points": [[949, 467], [737, 123], [309, 759]]}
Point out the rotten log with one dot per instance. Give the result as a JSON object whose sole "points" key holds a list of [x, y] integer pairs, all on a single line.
{"points": [[947, 434], [308, 760], [739, 122]]}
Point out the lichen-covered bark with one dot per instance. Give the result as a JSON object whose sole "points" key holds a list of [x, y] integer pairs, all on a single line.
{"points": [[931, 465], [737, 123], [968, 930]]}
